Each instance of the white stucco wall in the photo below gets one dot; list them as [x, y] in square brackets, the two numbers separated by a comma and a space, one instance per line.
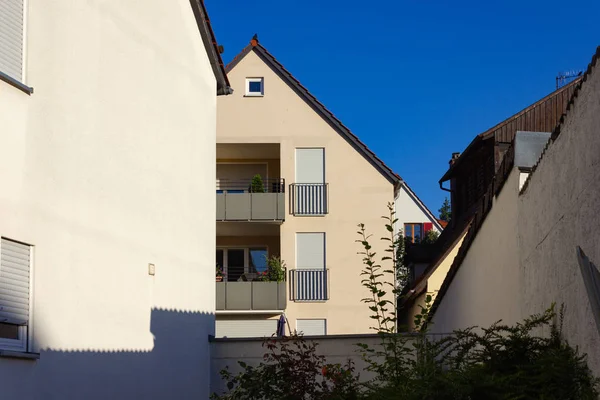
[107, 167]
[559, 210]
[408, 210]
[486, 286]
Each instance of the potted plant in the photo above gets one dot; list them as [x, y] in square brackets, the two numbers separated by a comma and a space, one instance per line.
[219, 273]
[275, 271]
[257, 185]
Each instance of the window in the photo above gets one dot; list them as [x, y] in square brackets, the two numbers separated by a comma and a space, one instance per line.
[312, 327]
[242, 263]
[414, 232]
[15, 262]
[255, 87]
[11, 32]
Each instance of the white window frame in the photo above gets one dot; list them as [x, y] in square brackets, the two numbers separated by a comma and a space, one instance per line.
[23, 344]
[262, 87]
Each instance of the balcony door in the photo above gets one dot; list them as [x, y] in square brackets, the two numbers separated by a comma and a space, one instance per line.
[310, 189]
[244, 263]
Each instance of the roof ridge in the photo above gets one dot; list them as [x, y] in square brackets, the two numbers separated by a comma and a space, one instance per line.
[557, 130]
[531, 106]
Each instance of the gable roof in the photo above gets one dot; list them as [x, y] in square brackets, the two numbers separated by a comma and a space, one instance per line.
[316, 105]
[421, 205]
[541, 116]
[499, 179]
[211, 47]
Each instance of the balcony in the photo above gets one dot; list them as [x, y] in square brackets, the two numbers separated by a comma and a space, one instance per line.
[309, 284]
[309, 199]
[251, 296]
[241, 200]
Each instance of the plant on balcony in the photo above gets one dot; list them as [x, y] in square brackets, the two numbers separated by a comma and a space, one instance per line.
[275, 271]
[219, 273]
[257, 185]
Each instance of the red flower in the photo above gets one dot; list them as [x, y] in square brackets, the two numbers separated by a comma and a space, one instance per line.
[324, 371]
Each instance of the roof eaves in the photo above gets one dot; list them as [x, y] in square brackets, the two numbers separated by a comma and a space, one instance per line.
[557, 130]
[317, 106]
[460, 159]
[235, 61]
[211, 46]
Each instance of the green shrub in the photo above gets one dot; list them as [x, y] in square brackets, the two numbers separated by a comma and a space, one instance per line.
[257, 185]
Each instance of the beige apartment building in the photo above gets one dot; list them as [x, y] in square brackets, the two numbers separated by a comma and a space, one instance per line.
[318, 182]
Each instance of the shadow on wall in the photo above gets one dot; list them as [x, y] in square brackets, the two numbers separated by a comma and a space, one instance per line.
[177, 367]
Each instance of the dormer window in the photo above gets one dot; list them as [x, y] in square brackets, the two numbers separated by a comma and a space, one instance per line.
[255, 87]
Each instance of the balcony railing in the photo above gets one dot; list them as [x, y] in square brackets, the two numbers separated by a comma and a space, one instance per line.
[309, 284]
[245, 200]
[309, 198]
[249, 296]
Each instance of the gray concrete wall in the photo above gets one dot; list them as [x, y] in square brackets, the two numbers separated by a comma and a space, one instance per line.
[559, 210]
[337, 349]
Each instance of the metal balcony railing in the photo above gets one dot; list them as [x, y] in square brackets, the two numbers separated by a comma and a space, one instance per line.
[270, 185]
[245, 200]
[309, 198]
[309, 284]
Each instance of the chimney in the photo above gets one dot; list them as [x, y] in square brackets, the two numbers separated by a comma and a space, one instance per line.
[454, 158]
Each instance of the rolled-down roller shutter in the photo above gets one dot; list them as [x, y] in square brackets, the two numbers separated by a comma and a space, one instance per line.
[311, 327]
[247, 328]
[15, 260]
[11, 38]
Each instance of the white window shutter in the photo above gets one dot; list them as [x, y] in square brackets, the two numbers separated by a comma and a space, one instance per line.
[311, 327]
[11, 38]
[245, 328]
[15, 260]
[310, 165]
[310, 250]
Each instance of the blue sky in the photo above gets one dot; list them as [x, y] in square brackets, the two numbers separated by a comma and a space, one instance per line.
[417, 80]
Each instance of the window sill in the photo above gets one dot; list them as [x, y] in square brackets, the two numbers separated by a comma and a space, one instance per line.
[19, 354]
[254, 95]
[16, 83]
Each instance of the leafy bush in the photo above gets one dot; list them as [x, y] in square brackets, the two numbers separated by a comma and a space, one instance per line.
[499, 362]
[292, 370]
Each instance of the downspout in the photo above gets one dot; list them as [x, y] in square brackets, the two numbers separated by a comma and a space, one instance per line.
[443, 188]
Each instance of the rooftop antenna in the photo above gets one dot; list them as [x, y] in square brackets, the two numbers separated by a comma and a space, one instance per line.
[567, 76]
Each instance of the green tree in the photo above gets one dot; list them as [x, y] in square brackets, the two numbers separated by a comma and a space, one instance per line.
[445, 211]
